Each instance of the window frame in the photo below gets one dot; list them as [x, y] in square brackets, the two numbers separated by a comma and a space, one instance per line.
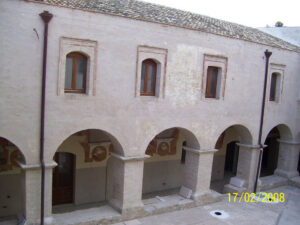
[159, 56]
[279, 71]
[148, 63]
[220, 62]
[208, 94]
[75, 56]
[90, 49]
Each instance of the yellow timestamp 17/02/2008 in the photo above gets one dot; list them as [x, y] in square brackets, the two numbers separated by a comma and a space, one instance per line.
[258, 197]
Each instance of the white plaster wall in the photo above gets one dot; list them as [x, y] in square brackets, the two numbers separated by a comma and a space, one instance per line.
[133, 121]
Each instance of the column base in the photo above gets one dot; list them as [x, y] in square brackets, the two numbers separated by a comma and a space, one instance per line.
[239, 185]
[286, 174]
[128, 212]
[47, 221]
[229, 188]
[204, 198]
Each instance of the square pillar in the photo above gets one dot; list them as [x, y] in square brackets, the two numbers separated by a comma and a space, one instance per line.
[32, 193]
[197, 171]
[288, 159]
[125, 181]
[246, 169]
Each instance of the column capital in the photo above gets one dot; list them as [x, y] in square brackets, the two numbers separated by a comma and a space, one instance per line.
[198, 151]
[48, 165]
[129, 158]
[290, 142]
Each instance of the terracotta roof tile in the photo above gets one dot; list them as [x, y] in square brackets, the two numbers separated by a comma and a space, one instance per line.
[166, 15]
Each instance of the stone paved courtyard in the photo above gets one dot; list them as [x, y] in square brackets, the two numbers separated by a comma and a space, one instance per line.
[286, 213]
[238, 213]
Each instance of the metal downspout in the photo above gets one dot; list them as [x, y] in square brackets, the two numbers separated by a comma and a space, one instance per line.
[268, 55]
[46, 17]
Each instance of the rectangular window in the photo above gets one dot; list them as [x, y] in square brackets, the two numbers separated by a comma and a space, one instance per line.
[273, 87]
[211, 82]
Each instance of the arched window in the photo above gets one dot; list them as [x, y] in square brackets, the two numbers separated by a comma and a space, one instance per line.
[148, 77]
[76, 67]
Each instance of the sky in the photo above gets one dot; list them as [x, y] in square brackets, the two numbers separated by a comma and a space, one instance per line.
[252, 13]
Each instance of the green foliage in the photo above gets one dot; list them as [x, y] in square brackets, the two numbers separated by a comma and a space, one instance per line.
[278, 24]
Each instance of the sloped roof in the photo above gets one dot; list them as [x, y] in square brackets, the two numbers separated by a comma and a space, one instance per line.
[166, 15]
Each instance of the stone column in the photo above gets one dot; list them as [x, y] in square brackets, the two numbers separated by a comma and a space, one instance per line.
[288, 159]
[32, 192]
[125, 181]
[246, 170]
[197, 172]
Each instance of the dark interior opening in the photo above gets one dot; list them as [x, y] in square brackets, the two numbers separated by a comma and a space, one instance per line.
[270, 154]
[231, 160]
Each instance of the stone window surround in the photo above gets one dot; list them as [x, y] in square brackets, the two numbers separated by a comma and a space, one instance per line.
[215, 61]
[88, 48]
[279, 69]
[160, 56]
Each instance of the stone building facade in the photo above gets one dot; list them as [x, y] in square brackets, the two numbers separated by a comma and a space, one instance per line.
[118, 135]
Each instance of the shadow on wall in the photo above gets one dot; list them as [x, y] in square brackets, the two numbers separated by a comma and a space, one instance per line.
[12, 178]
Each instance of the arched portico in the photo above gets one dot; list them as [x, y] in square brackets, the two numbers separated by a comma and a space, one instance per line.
[96, 169]
[225, 162]
[176, 163]
[12, 181]
[288, 155]
[280, 157]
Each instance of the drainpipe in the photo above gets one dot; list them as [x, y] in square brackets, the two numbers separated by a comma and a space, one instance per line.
[268, 55]
[46, 17]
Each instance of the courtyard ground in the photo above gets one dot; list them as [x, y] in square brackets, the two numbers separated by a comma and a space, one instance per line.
[239, 213]
[233, 213]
